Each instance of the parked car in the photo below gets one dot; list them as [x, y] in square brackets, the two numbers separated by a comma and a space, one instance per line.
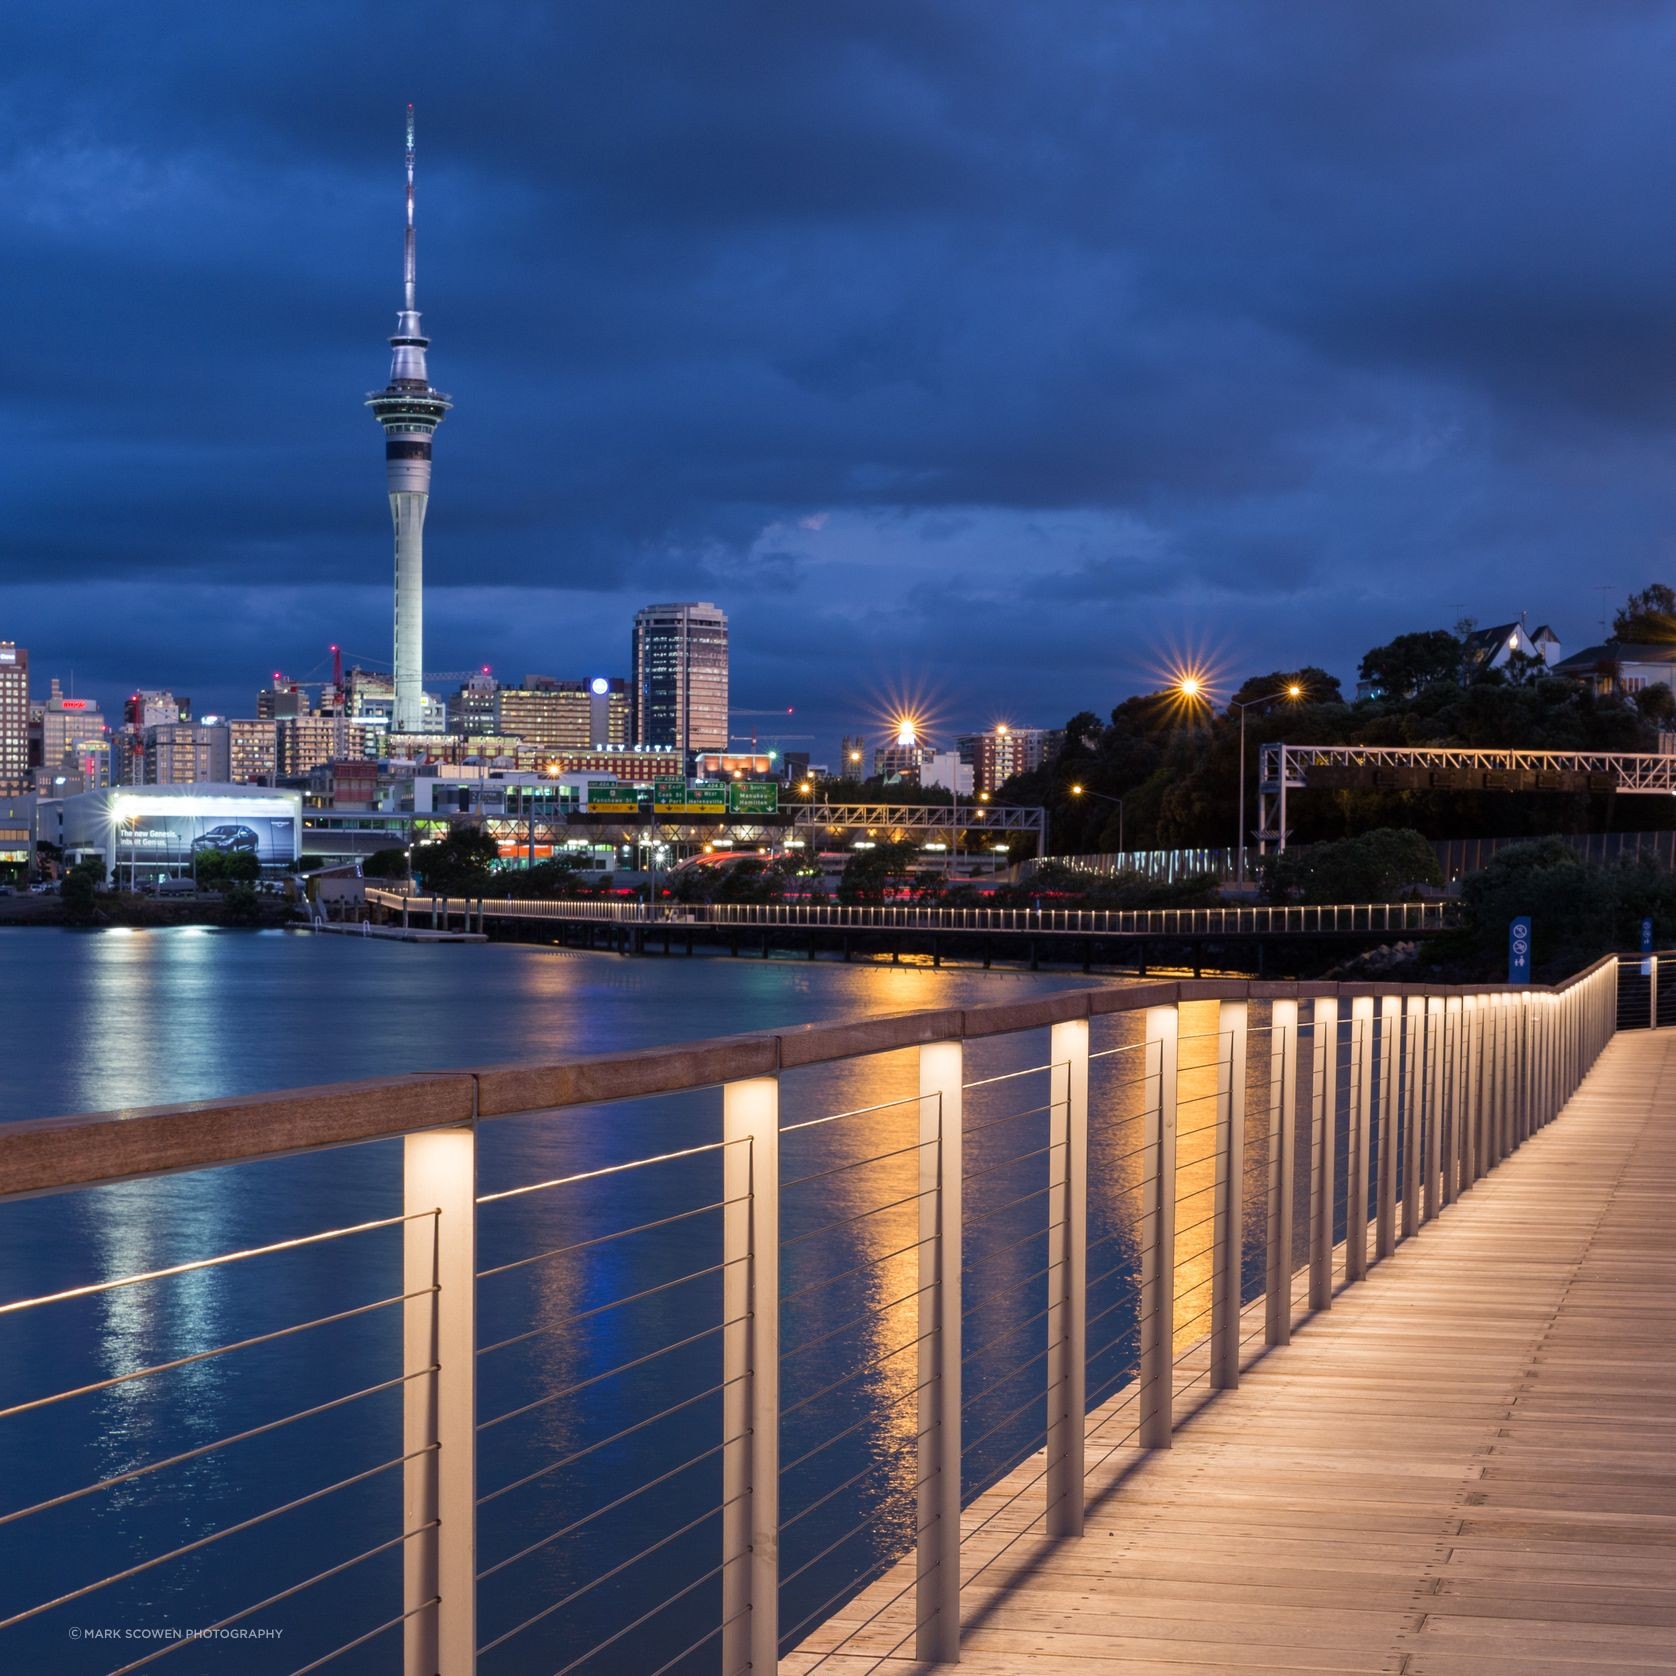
[231, 838]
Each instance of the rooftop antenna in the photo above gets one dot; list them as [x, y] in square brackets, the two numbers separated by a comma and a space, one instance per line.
[410, 285]
[1603, 589]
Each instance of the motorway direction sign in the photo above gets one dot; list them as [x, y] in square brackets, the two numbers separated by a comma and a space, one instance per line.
[754, 797]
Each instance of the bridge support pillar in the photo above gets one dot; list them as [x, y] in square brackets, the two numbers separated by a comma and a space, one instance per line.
[751, 1370]
[1158, 1238]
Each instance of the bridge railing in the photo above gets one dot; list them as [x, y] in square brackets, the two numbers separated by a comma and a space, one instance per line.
[652, 1361]
[1253, 920]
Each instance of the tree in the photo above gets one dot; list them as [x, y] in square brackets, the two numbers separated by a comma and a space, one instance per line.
[1405, 666]
[1647, 618]
[1378, 866]
[385, 864]
[1318, 688]
[872, 875]
[77, 890]
[224, 869]
[459, 864]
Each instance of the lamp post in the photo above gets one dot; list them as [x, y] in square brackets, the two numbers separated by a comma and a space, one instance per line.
[1292, 690]
[1102, 797]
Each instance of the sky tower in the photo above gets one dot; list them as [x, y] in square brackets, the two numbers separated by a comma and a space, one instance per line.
[409, 410]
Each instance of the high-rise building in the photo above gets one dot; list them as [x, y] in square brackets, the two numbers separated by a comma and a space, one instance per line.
[151, 709]
[75, 749]
[14, 718]
[680, 676]
[252, 752]
[187, 753]
[471, 709]
[304, 742]
[549, 715]
[997, 755]
[280, 700]
[852, 758]
[410, 410]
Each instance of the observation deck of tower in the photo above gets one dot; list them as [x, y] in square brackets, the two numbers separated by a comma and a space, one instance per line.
[409, 409]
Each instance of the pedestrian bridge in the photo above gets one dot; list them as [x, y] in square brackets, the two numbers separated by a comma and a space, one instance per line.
[1142, 1328]
[1465, 1467]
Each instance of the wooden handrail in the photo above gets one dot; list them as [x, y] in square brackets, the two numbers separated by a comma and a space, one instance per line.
[47, 1155]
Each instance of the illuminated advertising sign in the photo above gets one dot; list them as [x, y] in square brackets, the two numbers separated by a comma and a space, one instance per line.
[754, 797]
[72, 703]
[180, 837]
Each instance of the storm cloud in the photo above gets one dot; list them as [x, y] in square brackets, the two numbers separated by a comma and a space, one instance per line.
[980, 351]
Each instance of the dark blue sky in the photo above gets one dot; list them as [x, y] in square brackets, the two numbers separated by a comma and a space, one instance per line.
[964, 348]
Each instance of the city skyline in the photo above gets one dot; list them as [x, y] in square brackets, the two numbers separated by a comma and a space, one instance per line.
[790, 366]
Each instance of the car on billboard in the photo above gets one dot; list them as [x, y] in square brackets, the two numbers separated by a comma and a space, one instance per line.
[231, 838]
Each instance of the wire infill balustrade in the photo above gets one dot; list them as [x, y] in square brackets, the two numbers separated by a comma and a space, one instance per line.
[680, 1362]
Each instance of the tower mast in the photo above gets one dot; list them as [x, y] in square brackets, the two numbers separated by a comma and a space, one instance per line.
[410, 410]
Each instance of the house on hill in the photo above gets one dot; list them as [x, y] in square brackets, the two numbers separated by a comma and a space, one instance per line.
[1621, 666]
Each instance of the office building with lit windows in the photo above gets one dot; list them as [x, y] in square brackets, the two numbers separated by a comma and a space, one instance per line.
[679, 690]
[14, 718]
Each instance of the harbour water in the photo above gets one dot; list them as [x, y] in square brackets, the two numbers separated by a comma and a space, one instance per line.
[108, 1019]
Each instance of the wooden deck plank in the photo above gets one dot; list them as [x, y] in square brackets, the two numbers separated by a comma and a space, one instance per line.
[1466, 1465]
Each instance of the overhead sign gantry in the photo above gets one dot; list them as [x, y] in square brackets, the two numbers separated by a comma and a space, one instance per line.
[1289, 768]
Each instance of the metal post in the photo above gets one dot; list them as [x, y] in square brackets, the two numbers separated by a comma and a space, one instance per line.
[1361, 1120]
[1437, 1038]
[1067, 1359]
[1228, 1243]
[1454, 1031]
[1491, 1149]
[1414, 1104]
[439, 1410]
[1239, 844]
[1323, 1149]
[1283, 1131]
[1385, 1221]
[1653, 993]
[1158, 1239]
[1472, 1103]
[751, 1372]
[937, 1551]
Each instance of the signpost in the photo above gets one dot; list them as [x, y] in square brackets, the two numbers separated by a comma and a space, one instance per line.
[669, 792]
[1519, 950]
[612, 797]
[754, 797]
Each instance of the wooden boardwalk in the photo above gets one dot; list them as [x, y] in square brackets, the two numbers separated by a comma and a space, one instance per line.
[1467, 1467]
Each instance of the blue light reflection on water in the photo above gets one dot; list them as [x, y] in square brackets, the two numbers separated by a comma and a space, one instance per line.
[106, 1020]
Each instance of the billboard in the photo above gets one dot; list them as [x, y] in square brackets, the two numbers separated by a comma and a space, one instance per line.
[177, 838]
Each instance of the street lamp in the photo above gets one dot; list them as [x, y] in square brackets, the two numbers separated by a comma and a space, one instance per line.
[1293, 690]
[1102, 797]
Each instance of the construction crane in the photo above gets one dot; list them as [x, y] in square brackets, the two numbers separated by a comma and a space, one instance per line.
[790, 710]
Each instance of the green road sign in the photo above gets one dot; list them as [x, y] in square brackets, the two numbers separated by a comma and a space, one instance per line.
[754, 797]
